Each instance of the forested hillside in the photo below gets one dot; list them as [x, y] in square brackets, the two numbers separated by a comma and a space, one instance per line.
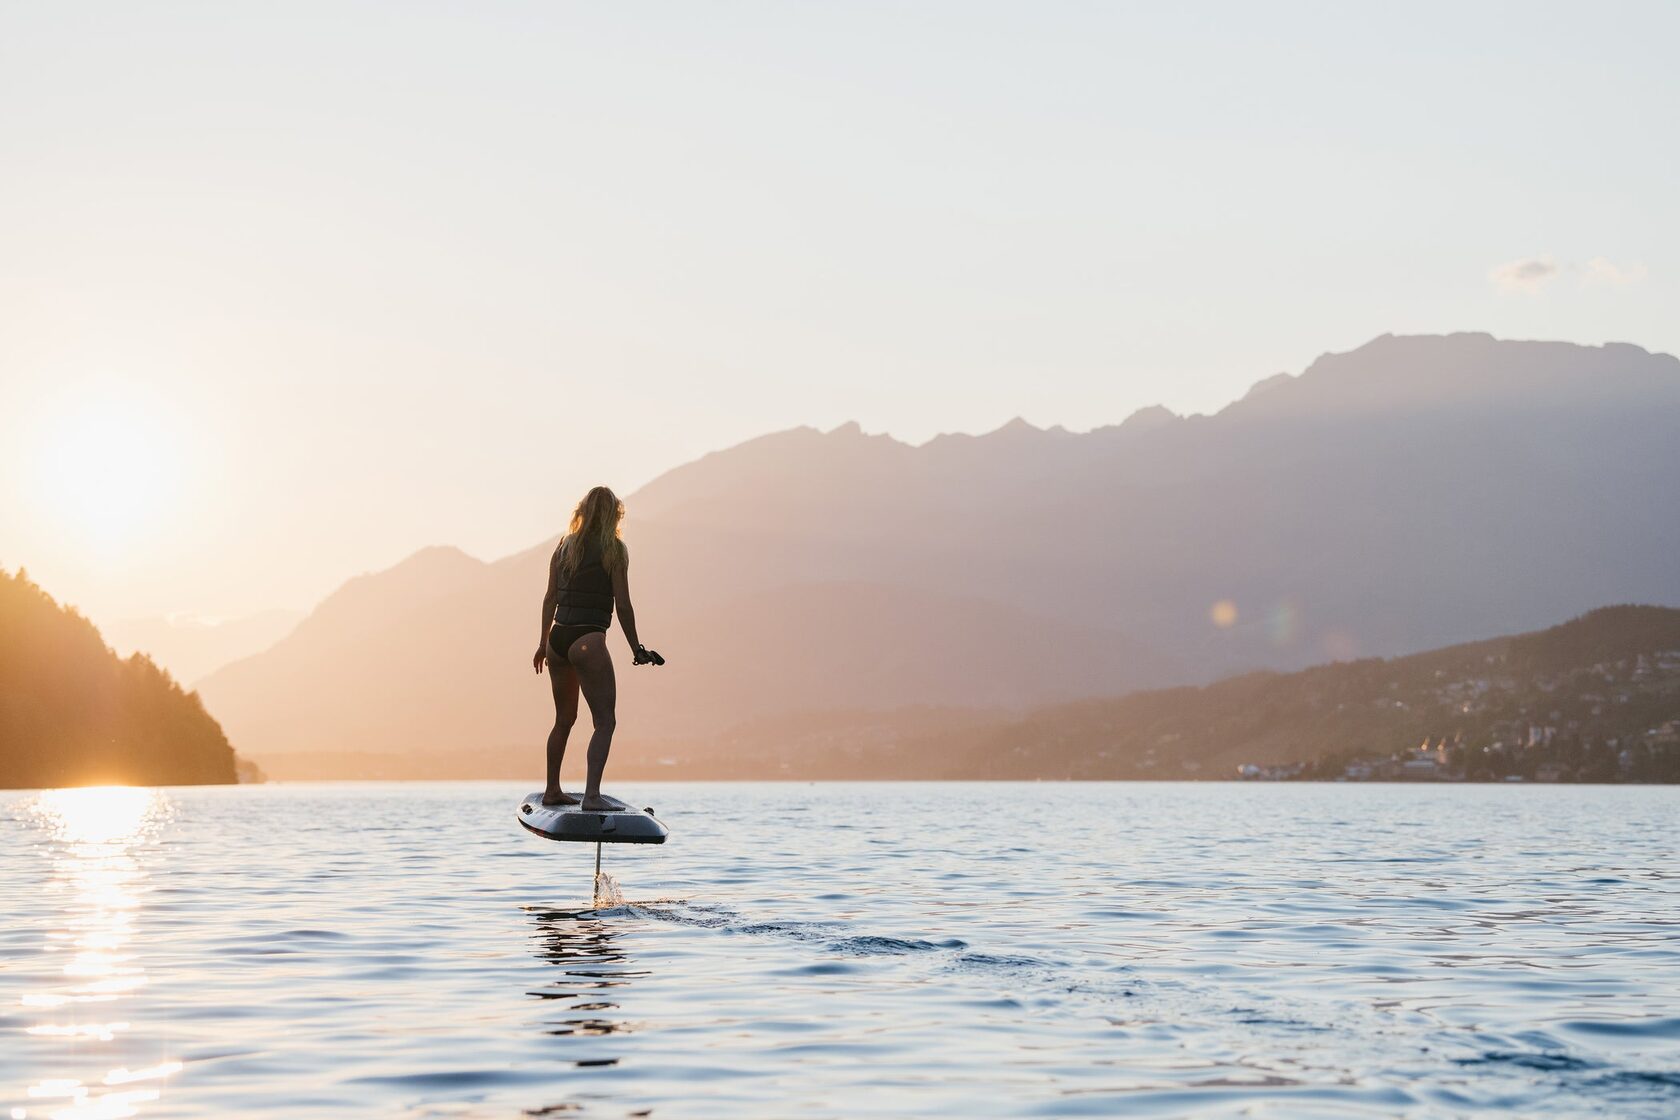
[73, 713]
[1594, 699]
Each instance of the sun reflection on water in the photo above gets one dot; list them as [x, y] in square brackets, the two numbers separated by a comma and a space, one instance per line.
[97, 814]
[94, 832]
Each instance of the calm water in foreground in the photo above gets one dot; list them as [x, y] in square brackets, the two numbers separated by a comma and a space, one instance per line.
[844, 950]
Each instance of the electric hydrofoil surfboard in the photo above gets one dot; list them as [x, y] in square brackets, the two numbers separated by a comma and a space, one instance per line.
[622, 825]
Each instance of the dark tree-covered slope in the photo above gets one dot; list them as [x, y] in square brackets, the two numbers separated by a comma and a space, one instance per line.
[1598, 696]
[73, 713]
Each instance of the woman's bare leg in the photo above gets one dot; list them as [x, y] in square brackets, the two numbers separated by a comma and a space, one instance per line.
[564, 683]
[594, 668]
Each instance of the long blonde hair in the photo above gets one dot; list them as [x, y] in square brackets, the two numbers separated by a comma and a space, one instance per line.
[595, 522]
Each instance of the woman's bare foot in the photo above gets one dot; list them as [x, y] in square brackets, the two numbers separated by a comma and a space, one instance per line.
[597, 803]
[558, 797]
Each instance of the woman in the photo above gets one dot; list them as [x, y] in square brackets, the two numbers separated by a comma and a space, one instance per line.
[588, 573]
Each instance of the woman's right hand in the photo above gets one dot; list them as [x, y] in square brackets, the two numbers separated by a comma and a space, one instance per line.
[539, 659]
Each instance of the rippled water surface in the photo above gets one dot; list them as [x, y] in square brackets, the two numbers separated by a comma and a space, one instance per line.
[844, 950]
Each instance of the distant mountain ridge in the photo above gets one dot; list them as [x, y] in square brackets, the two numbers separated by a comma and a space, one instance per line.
[191, 648]
[1412, 493]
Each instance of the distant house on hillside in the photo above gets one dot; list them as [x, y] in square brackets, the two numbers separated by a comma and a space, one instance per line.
[1420, 768]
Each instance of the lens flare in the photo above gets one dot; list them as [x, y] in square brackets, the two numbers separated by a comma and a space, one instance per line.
[1284, 623]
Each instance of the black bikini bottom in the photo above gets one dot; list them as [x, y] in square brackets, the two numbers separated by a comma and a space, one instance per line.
[560, 638]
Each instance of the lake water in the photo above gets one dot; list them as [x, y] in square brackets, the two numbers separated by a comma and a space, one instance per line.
[844, 950]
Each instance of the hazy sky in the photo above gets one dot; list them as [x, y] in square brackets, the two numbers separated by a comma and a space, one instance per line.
[288, 291]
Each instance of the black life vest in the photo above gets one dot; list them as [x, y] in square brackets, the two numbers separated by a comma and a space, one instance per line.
[586, 597]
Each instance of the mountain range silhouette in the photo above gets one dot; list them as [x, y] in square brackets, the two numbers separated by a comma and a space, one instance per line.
[1410, 494]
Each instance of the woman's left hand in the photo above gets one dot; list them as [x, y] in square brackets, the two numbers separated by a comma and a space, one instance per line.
[539, 659]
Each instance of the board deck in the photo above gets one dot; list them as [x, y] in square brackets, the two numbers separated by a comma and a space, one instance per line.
[622, 825]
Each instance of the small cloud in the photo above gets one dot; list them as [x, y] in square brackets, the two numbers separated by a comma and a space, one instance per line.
[1530, 274]
[1601, 271]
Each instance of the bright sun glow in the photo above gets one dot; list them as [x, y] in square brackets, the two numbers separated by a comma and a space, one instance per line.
[106, 467]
